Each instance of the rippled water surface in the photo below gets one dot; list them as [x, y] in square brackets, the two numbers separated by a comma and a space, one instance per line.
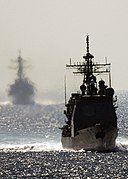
[30, 145]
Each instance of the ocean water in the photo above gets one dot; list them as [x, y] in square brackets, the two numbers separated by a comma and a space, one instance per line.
[30, 145]
[30, 126]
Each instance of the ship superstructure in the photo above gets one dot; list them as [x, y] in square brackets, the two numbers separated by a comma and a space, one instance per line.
[91, 118]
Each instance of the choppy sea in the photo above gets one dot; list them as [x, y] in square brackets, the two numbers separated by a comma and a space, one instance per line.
[30, 145]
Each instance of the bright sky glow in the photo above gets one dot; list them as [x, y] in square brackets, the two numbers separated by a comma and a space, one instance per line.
[49, 32]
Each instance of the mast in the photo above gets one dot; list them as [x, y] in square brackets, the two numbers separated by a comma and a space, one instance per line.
[110, 76]
[89, 69]
[20, 72]
[88, 61]
[87, 41]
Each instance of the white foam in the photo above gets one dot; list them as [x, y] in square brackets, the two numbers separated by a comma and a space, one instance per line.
[5, 103]
[31, 147]
[122, 140]
[122, 143]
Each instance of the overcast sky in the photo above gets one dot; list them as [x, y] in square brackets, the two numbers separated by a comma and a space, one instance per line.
[49, 32]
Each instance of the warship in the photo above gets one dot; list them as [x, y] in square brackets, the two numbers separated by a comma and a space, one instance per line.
[22, 91]
[91, 120]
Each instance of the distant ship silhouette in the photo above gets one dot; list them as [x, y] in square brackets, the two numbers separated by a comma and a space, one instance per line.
[22, 91]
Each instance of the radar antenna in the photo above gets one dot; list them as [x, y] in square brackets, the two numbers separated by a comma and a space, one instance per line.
[89, 68]
[87, 41]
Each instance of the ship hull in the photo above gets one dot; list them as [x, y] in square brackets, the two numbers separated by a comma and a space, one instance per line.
[92, 138]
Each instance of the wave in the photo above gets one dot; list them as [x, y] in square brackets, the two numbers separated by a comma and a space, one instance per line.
[122, 143]
[36, 147]
[5, 103]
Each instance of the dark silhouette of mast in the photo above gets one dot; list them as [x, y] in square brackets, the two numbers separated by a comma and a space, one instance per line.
[88, 59]
[20, 71]
[88, 68]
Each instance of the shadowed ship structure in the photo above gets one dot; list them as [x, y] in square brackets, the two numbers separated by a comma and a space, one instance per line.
[22, 91]
[91, 118]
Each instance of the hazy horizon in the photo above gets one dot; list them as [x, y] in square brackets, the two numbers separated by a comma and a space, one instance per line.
[51, 32]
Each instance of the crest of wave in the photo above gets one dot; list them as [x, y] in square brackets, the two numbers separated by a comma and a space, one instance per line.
[37, 147]
[122, 143]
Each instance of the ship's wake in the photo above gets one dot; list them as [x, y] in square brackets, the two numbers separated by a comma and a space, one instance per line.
[35, 147]
[122, 143]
